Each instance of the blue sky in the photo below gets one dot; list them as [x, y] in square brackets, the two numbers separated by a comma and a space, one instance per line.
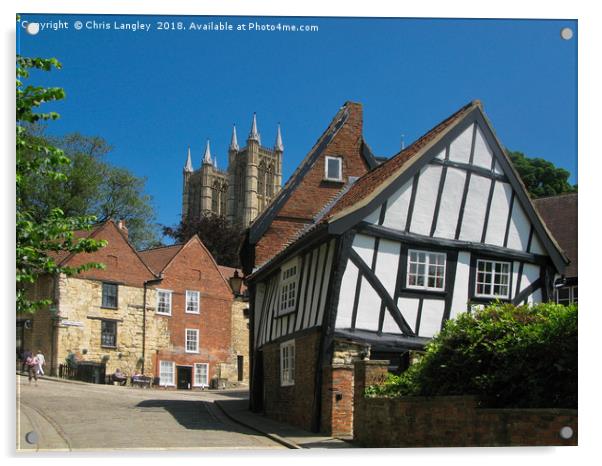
[153, 94]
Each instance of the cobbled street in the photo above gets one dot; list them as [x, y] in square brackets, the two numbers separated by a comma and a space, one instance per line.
[70, 416]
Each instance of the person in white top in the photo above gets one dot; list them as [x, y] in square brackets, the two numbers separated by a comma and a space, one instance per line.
[41, 362]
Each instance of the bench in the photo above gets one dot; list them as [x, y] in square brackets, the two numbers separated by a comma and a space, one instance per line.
[142, 381]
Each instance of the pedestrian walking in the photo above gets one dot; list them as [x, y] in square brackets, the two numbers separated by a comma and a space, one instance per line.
[26, 354]
[41, 362]
[32, 368]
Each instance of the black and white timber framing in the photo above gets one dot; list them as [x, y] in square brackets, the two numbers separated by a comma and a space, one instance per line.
[459, 196]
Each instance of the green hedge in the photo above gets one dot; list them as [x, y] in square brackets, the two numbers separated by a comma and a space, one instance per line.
[506, 355]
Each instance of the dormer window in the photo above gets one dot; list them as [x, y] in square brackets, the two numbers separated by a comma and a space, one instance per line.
[333, 169]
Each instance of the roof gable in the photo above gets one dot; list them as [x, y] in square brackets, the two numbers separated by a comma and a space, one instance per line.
[455, 136]
[158, 258]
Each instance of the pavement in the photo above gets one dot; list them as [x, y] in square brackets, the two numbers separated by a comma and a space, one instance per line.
[139, 418]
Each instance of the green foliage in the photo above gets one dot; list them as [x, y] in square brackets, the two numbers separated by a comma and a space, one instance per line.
[91, 186]
[39, 239]
[507, 356]
[218, 235]
[541, 177]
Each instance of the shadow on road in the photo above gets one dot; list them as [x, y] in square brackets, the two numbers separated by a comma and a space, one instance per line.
[190, 414]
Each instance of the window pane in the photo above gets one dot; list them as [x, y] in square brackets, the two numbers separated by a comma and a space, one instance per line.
[109, 295]
[108, 332]
[334, 168]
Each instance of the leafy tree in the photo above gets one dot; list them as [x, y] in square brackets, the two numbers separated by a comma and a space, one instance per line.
[507, 356]
[221, 237]
[541, 177]
[94, 187]
[38, 239]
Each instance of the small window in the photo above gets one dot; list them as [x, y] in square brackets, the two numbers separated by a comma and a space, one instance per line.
[493, 279]
[201, 375]
[287, 363]
[333, 169]
[288, 287]
[109, 295]
[108, 333]
[192, 301]
[192, 340]
[426, 270]
[164, 302]
[166, 373]
[566, 295]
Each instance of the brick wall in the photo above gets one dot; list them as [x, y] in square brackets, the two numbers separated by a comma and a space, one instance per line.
[194, 269]
[453, 421]
[291, 404]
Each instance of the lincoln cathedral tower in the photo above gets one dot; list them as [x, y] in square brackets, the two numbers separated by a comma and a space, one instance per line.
[241, 192]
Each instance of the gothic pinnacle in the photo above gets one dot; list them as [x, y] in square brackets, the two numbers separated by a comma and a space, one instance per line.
[278, 145]
[207, 156]
[188, 166]
[254, 134]
[234, 140]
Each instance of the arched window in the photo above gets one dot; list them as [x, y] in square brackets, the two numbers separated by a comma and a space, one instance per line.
[223, 199]
[261, 179]
[215, 198]
[270, 181]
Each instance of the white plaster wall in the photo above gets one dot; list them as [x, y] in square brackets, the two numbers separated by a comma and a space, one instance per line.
[515, 285]
[474, 210]
[409, 310]
[387, 261]
[432, 315]
[304, 284]
[460, 297]
[389, 324]
[326, 280]
[364, 246]
[310, 280]
[497, 169]
[316, 286]
[451, 198]
[483, 156]
[346, 296]
[531, 273]
[397, 207]
[426, 198]
[498, 214]
[535, 297]
[459, 150]
[441, 155]
[373, 217]
[368, 309]
[536, 246]
[518, 233]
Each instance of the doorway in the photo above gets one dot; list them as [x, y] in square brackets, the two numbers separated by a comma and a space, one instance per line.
[184, 377]
[241, 367]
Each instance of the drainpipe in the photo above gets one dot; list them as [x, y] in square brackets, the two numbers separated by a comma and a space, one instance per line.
[153, 281]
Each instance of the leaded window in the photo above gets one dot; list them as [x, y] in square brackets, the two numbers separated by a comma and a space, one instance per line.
[426, 270]
[109, 295]
[493, 279]
[108, 333]
[287, 363]
[288, 287]
[192, 340]
[192, 301]
[164, 302]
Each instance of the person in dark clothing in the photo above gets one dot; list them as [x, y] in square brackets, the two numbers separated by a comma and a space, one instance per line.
[26, 354]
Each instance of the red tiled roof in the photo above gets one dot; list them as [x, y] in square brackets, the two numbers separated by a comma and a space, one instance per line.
[560, 215]
[376, 177]
[158, 258]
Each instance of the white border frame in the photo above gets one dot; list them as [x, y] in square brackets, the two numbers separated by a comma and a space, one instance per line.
[198, 293]
[173, 374]
[426, 276]
[194, 384]
[198, 336]
[169, 292]
[332, 157]
[493, 274]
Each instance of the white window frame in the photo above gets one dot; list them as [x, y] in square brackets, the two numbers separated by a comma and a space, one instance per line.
[287, 363]
[163, 382]
[289, 280]
[168, 293]
[571, 299]
[197, 371]
[425, 275]
[340, 160]
[190, 293]
[186, 340]
[493, 275]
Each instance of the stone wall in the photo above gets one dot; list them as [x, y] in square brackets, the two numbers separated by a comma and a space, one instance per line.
[291, 404]
[454, 421]
[240, 336]
[79, 326]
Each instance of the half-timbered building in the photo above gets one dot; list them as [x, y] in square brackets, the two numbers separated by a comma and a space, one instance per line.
[441, 227]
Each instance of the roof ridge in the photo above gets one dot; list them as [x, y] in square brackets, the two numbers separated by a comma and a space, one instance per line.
[161, 247]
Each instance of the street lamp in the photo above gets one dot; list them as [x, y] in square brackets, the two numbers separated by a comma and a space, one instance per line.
[235, 283]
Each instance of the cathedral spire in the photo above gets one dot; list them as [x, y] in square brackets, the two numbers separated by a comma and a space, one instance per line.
[215, 162]
[234, 140]
[278, 145]
[254, 134]
[207, 156]
[188, 166]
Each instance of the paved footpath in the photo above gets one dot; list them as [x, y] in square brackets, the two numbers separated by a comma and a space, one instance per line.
[79, 416]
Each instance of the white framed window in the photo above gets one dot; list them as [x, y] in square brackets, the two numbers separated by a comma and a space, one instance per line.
[566, 295]
[192, 340]
[287, 363]
[493, 279]
[333, 168]
[288, 287]
[426, 270]
[201, 375]
[192, 301]
[164, 302]
[166, 373]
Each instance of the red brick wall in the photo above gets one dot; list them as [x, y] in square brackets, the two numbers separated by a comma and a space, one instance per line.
[291, 404]
[214, 319]
[453, 421]
[313, 193]
[122, 263]
[337, 401]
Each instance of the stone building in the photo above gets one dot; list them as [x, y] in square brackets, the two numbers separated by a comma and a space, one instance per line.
[98, 315]
[242, 191]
